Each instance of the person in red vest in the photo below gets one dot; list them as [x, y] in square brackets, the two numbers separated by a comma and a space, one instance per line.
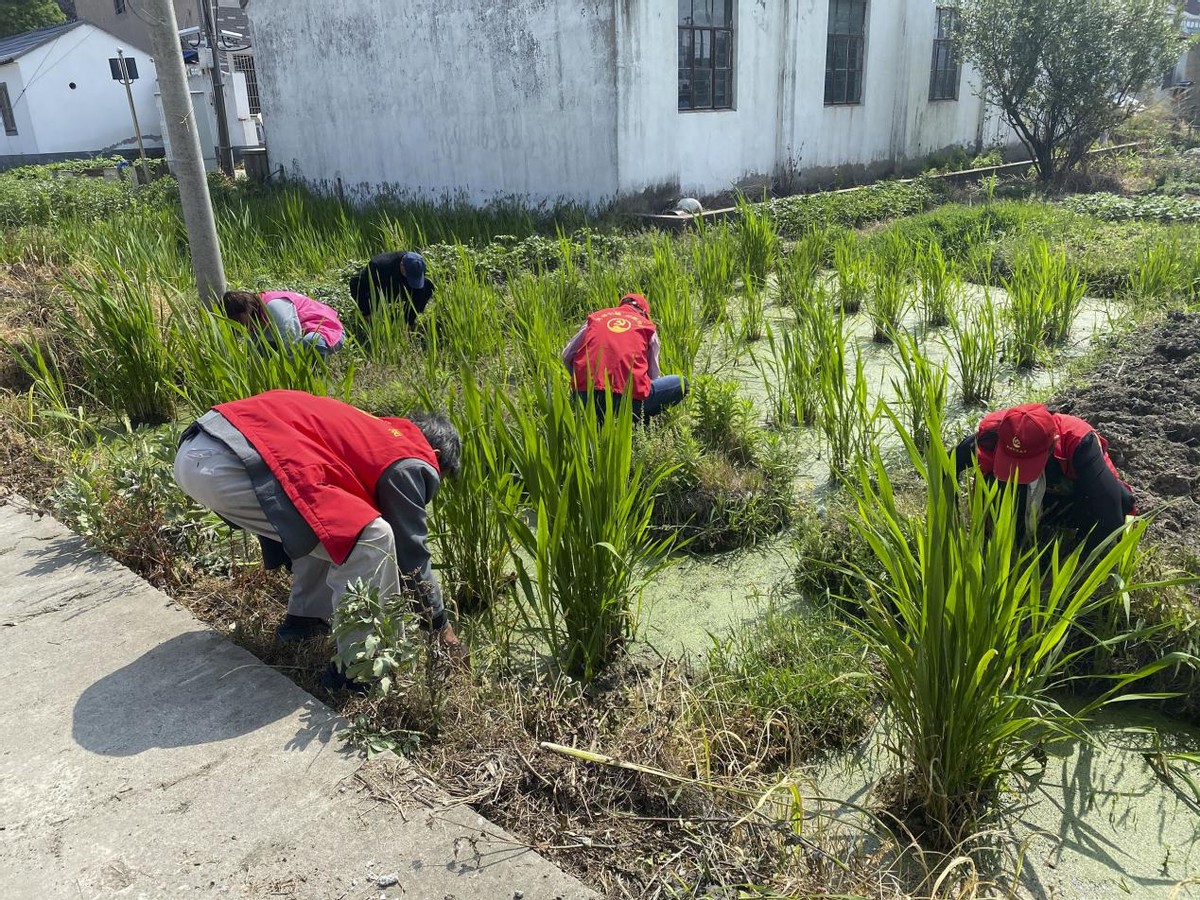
[1067, 478]
[618, 348]
[343, 491]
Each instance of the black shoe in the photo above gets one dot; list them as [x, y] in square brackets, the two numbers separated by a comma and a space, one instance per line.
[296, 629]
[334, 680]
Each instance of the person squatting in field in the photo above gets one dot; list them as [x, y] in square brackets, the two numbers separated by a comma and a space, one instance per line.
[1068, 480]
[285, 317]
[392, 278]
[618, 348]
[342, 491]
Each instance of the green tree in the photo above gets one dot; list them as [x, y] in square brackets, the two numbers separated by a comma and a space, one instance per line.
[18, 16]
[1064, 72]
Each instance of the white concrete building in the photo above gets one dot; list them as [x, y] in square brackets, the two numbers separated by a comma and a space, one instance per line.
[594, 100]
[58, 99]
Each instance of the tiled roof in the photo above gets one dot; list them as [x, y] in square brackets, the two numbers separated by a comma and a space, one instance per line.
[20, 44]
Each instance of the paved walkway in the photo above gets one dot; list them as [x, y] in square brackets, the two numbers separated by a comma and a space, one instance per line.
[143, 755]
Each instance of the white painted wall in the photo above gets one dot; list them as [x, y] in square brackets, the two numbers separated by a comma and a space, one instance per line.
[25, 140]
[781, 122]
[475, 97]
[94, 116]
[579, 98]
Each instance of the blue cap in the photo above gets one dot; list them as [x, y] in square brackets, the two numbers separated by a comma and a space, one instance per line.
[414, 270]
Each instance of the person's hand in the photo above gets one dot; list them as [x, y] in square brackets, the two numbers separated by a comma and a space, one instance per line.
[455, 649]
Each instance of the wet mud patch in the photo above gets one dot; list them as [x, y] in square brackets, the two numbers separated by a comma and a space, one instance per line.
[1145, 400]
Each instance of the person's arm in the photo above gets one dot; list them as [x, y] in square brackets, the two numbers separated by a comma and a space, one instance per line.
[964, 454]
[403, 493]
[1099, 494]
[569, 351]
[652, 351]
[282, 316]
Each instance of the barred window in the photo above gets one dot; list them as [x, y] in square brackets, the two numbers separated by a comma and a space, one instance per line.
[6, 111]
[706, 54]
[244, 63]
[844, 52]
[946, 71]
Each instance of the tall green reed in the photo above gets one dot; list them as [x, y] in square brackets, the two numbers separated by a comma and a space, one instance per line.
[586, 547]
[800, 270]
[1045, 295]
[890, 300]
[714, 252]
[754, 312]
[939, 282]
[681, 323]
[853, 274]
[919, 386]
[974, 348]
[847, 417]
[973, 631]
[758, 244]
[1162, 275]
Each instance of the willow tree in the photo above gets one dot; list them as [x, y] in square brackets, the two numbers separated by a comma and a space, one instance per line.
[1064, 72]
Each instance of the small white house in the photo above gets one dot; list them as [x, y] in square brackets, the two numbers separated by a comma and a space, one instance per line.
[59, 100]
[596, 100]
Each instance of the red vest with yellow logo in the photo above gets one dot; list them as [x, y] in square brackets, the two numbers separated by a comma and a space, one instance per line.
[1071, 433]
[614, 352]
[328, 457]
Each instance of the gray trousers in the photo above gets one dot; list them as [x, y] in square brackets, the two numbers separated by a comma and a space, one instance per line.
[212, 475]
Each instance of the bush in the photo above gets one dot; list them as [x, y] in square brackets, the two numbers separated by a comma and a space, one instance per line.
[794, 216]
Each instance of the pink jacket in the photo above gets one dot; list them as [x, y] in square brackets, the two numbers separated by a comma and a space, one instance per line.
[314, 317]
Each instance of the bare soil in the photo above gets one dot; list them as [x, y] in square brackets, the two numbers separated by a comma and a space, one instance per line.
[1145, 400]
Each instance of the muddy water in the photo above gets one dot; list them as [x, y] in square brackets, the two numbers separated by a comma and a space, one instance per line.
[702, 596]
[1095, 821]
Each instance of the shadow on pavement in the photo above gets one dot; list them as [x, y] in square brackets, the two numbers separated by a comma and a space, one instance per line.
[193, 689]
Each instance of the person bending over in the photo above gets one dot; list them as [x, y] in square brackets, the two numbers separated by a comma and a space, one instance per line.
[393, 278]
[344, 492]
[286, 318]
[618, 348]
[1067, 479]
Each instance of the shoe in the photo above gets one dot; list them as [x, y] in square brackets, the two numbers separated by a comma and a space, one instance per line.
[334, 680]
[295, 629]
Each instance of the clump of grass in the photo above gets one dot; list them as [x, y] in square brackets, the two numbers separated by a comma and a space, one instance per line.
[754, 312]
[800, 270]
[975, 349]
[802, 674]
[938, 281]
[681, 324]
[471, 515]
[789, 376]
[758, 244]
[713, 255]
[920, 386]
[853, 274]
[1045, 294]
[1162, 275]
[587, 547]
[958, 594]
[126, 347]
[890, 299]
[847, 418]
[728, 482]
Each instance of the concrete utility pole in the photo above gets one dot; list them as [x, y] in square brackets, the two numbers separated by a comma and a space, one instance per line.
[137, 129]
[224, 150]
[185, 146]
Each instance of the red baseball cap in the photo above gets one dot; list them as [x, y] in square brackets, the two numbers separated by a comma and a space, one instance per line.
[638, 302]
[1026, 435]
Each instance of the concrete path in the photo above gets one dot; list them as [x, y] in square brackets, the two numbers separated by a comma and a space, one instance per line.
[143, 755]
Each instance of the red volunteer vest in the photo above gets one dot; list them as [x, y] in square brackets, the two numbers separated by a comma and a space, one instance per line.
[613, 352]
[328, 456]
[1071, 433]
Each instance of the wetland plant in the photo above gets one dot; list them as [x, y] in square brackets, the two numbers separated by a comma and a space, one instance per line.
[585, 549]
[713, 254]
[938, 285]
[853, 274]
[471, 515]
[789, 376]
[1161, 276]
[889, 301]
[126, 346]
[681, 324]
[1045, 294]
[758, 244]
[919, 387]
[846, 416]
[973, 633]
[974, 348]
[800, 270]
[754, 312]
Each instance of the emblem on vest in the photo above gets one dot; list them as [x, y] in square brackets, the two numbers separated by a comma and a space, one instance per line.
[619, 325]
